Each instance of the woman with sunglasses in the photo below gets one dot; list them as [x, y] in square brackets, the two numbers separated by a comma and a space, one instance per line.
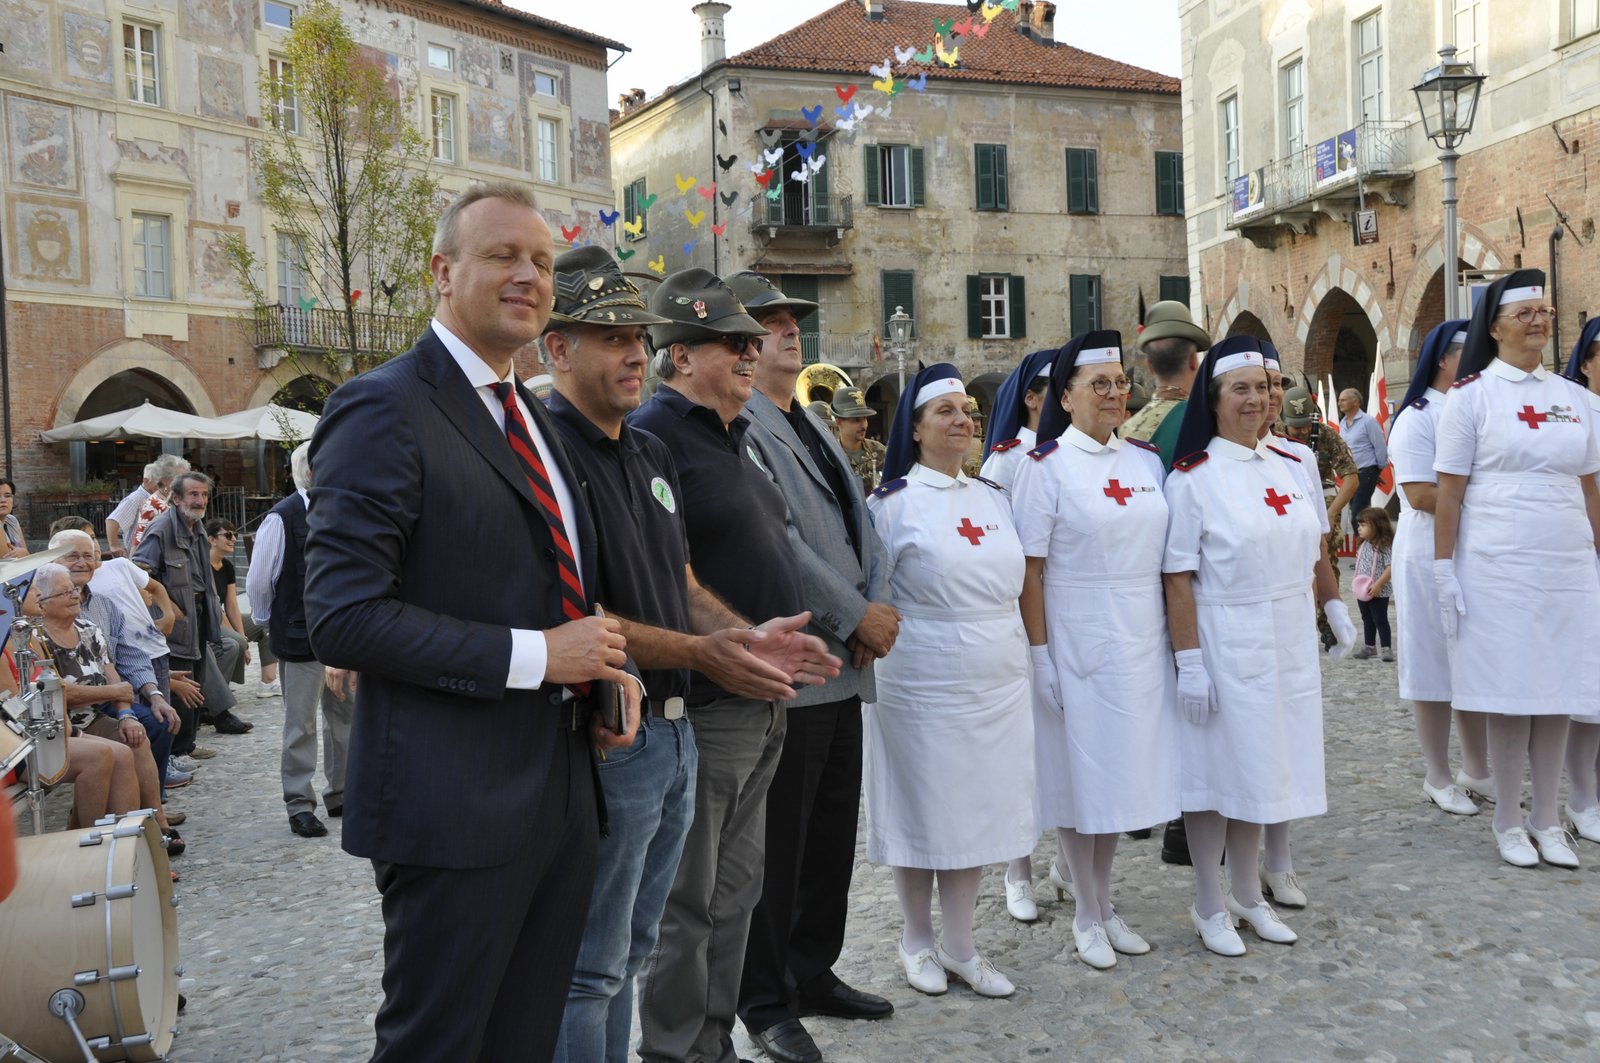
[238, 628]
[1092, 519]
[1516, 520]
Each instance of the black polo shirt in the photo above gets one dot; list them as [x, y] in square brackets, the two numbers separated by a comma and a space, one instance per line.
[735, 515]
[632, 489]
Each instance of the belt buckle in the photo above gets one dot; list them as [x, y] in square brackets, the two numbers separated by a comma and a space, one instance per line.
[672, 709]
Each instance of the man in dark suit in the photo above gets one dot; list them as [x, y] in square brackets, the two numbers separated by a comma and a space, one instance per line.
[450, 561]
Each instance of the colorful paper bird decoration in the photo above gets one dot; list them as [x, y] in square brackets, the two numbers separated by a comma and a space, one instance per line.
[688, 248]
[812, 114]
[659, 265]
[683, 183]
[634, 227]
[925, 55]
[729, 197]
[886, 87]
[902, 56]
[720, 229]
[882, 71]
[844, 92]
[708, 191]
[918, 83]
[695, 218]
[609, 217]
[727, 161]
[623, 256]
[571, 234]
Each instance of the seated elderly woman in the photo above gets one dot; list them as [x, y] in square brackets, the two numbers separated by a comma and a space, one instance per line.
[96, 696]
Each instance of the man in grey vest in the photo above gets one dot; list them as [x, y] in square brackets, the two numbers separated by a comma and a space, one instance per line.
[276, 584]
[798, 927]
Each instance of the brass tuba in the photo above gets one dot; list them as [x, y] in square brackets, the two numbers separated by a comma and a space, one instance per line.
[819, 381]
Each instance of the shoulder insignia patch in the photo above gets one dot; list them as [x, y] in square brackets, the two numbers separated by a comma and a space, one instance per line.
[885, 490]
[1001, 448]
[1283, 453]
[1419, 402]
[1192, 461]
[991, 483]
[1143, 444]
[1044, 450]
[1466, 380]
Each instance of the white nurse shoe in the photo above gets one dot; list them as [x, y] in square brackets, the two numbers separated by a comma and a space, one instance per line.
[1515, 849]
[1019, 901]
[1483, 788]
[978, 973]
[1062, 883]
[1263, 920]
[1555, 845]
[1123, 939]
[1094, 948]
[1283, 887]
[923, 971]
[1586, 823]
[1217, 933]
[1451, 798]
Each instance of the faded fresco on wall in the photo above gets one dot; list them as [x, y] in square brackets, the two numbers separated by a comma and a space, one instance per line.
[388, 62]
[227, 23]
[46, 240]
[41, 144]
[591, 155]
[27, 29]
[221, 88]
[492, 131]
[213, 276]
[477, 61]
[87, 42]
[532, 65]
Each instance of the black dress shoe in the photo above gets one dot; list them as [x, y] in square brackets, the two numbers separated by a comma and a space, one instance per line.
[334, 811]
[307, 825]
[788, 1042]
[1139, 835]
[229, 724]
[1175, 844]
[844, 1002]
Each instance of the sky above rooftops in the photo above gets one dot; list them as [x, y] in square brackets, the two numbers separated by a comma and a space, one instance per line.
[665, 34]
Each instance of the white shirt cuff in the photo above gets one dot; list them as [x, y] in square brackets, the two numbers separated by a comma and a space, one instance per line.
[529, 659]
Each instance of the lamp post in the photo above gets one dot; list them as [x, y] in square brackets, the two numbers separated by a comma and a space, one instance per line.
[900, 324]
[1448, 98]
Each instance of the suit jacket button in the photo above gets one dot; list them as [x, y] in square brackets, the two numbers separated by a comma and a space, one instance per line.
[549, 553]
[443, 682]
[472, 684]
[555, 697]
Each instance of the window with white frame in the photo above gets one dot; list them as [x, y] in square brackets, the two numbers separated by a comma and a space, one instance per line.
[994, 306]
[291, 271]
[1293, 82]
[1583, 17]
[152, 262]
[1466, 30]
[278, 15]
[1368, 40]
[141, 60]
[546, 84]
[285, 111]
[442, 121]
[547, 140]
[1228, 127]
[441, 58]
[894, 189]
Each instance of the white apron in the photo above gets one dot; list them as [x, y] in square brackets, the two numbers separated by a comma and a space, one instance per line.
[949, 743]
[1244, 523]
[1594, 427]
[1097, 514]
[1424, 663]
[1529, 644]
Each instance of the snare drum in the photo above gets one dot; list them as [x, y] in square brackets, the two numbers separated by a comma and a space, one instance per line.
[92, 914]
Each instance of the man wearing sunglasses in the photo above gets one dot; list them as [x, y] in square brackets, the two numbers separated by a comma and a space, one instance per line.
[736, 523]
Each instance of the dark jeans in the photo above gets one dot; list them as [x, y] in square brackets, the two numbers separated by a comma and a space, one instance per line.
[1367, 483]
[1375, 618]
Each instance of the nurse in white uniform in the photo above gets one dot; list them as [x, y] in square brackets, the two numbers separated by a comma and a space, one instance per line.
[1240, 556]
[949, 744]
[1514, 556]
[1583, 737]
[1093, 523]
[1425, 659]
[1013, 431]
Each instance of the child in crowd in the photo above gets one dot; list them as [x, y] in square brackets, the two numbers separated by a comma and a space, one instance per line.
[1371, 580]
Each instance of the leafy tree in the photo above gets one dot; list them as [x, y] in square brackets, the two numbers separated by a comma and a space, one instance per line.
[344, 172]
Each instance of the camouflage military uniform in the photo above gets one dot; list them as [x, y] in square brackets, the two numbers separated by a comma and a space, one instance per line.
[1143, 425]
[867, 463]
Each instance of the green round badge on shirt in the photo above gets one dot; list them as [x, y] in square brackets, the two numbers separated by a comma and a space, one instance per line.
[663, 493]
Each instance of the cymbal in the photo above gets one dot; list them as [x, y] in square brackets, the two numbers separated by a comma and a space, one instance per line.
[20, 566]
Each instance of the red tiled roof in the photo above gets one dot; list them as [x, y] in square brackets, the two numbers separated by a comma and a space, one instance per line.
[544, 23]
[842, 40]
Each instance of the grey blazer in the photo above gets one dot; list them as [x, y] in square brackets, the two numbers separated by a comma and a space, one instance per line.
[838, 582]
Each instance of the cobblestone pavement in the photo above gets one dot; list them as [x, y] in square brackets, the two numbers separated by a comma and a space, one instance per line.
[1419, 943]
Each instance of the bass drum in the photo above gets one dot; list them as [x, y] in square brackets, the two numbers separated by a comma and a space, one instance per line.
[92, 915]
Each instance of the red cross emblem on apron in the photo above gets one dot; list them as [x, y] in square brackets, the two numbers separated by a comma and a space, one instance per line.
[969, 531]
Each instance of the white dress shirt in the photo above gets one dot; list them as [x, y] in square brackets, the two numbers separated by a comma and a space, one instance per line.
[266, 561]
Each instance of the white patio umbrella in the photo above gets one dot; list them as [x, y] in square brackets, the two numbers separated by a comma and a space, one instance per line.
[142, 420]
[272, 422]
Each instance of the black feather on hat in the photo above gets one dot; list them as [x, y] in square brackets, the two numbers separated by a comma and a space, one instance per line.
[1481, 348]
[1053, 420]
[1199, 420]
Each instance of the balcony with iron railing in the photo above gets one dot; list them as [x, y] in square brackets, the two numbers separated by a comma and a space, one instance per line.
[845, 350]
[800, 212]
[317, 330]
[1327, 178]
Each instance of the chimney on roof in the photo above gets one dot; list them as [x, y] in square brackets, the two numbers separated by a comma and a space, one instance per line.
[1024, 23]
[1043, 21]
[713, 43]
[874, 10]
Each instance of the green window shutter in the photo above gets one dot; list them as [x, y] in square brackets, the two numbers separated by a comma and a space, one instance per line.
[899, 289]
[1175, 288]
[1078, 300]
[1019, 309]
[983, 160]
[917, 195]
[974, 308]
[1076, 195]
[1002, 193]
[1177, 181]
[821, 205]
[1091, 182]
[1166, 195]
[873, 181]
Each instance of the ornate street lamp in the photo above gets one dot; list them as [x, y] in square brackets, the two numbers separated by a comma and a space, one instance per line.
[1448, 98]
[900, 325]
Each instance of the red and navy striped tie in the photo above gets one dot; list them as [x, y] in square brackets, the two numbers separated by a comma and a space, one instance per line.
[539, 480]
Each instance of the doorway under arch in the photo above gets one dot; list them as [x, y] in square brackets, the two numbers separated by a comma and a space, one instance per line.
[1341, 343]
[1247, 324]
[123, 460]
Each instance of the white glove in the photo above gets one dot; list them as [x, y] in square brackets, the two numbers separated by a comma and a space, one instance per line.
[1046, 690]
[1197, 697]
[1452, 606]
[1344, 632]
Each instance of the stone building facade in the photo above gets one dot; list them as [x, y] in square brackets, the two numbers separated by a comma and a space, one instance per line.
[1298, 115]
[1005, 188]
[128, 131]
